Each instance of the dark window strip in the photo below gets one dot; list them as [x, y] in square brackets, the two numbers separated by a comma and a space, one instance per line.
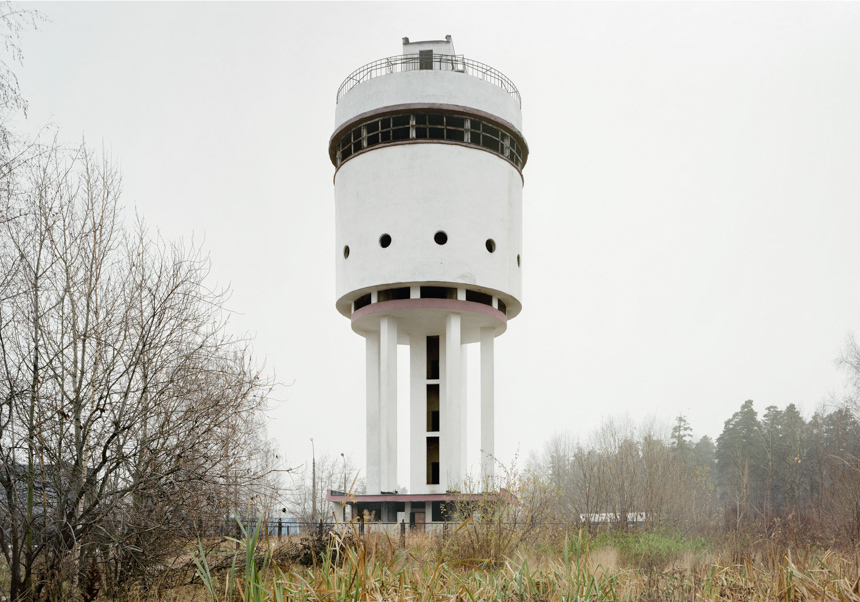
[430, 126]
[428, 292]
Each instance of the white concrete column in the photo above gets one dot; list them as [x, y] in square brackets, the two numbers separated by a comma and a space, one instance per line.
[372, 416]
[417, 413]
[451, 460]
[388, 402]
[444, 458]
[462, 417]
[487, 408]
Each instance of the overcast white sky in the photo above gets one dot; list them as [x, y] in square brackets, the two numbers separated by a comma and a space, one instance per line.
[691, 203]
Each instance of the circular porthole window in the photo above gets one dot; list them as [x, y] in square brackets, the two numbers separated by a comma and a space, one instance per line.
[518, 260]
[384, 241]
[440, 237]
[346, 252]
[491, 245]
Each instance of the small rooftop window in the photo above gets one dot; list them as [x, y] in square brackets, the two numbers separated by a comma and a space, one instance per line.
[425, 59]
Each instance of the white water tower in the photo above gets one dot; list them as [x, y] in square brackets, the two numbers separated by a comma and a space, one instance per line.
[428, 153]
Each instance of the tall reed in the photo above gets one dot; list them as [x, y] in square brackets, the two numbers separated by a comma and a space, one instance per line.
[355, 568]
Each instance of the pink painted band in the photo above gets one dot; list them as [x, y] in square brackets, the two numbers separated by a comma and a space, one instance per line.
[331, 496]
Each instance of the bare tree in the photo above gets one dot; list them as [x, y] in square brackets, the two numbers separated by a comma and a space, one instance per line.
[623, 469]
[332, 473]
[616, 442]
[589, 485]
[576, 477]
[129, 414]
[556, 464]
[13, 21]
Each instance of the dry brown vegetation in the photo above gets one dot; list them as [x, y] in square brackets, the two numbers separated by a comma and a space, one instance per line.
[581, 566]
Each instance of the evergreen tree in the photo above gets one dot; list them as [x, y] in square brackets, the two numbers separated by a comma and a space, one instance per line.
[816, 456]
[704, 453]
[738, 454]
[794, 455]
[770, 459]
[681, 436]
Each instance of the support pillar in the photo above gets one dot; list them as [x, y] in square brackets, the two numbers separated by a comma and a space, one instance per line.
[487, 408]
[463, 416]
[388, 402]
[451, 413]
[418, 413]
[372, 425]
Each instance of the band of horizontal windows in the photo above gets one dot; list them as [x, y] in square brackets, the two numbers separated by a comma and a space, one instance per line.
[444, 304]
[430, 126]
[427, 292]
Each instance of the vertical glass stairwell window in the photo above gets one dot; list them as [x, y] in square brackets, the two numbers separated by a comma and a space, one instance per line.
[432, 408]
[432, 460]
[433, 414]
[432, 358]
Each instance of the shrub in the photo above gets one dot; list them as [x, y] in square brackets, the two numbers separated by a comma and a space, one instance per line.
[651, 550]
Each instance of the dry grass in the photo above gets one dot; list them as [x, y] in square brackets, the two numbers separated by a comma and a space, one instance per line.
[603, 561]
[377, 567]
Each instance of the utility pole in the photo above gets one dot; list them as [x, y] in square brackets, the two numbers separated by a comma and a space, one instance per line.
[313, 483]
[344, 486]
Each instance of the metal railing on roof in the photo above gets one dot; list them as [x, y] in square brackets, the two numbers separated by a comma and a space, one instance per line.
[438, 62]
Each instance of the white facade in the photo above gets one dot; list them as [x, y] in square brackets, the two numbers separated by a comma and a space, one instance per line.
[428, 194]
[436, 86]
[413, 191]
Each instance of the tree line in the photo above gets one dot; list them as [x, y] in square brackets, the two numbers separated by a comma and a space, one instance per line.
[778, 473]
[779, 467]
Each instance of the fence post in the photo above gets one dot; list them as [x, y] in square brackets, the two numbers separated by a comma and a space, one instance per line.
[361, 525]
[403, 533]
[279, 528]
[320, 531]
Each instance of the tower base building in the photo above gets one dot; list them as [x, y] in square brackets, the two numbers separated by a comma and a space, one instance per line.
[428, 153]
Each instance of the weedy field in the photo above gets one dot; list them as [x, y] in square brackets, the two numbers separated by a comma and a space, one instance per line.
[655, 565]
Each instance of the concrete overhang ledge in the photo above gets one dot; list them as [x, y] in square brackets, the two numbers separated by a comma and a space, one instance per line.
[348, 498]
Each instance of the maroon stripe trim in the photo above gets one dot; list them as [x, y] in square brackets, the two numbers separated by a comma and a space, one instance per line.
[504, 494]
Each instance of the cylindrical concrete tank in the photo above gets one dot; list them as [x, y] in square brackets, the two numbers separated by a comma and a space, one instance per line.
[429, 153]
[428, 186]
